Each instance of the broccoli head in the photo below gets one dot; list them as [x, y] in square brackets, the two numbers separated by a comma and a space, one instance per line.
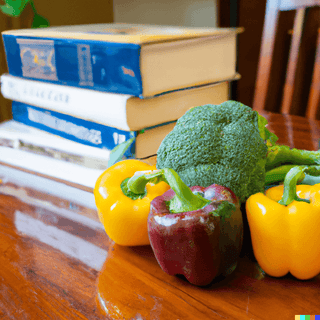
[222, 144]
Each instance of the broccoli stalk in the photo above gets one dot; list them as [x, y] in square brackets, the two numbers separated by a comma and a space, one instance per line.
[281, 158]
[278, 174]
[280, 154]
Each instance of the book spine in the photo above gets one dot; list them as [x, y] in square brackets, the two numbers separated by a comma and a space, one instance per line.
[74, 129]
[108, 108]
[103, 66]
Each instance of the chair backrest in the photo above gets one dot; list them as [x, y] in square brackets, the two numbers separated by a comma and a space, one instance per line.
[273, 9]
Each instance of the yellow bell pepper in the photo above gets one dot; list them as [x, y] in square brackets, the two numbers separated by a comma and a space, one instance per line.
[285, 228]
[123, 215]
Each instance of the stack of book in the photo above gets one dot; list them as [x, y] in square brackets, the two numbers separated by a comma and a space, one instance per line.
[79, 91]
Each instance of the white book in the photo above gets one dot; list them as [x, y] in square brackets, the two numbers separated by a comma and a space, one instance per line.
[43, 153]
[49, 167]
[47, 154]
[26, 140]
[120, 111]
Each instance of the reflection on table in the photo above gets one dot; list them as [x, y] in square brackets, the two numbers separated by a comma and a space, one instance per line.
[58, 263]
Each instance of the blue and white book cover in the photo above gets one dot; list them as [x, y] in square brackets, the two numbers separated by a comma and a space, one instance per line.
[88, 64]
[105, 57]
[75, 129]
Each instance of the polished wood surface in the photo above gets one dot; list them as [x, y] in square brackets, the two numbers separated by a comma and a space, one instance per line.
[56, 262]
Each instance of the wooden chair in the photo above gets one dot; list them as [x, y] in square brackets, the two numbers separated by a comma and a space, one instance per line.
[273, 9]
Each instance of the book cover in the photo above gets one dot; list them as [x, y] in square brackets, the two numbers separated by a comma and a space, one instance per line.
[121, 111]
[88, 133]
[16, 135]
[140, 60]
[75, 129]
[62, 145]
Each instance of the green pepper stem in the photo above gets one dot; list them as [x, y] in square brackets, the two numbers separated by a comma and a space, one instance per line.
[290, 185]
[312, 175]
[184, 200]
[137, 183]
[310, 180]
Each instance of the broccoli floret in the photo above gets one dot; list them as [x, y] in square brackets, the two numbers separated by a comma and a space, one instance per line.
[218, 144]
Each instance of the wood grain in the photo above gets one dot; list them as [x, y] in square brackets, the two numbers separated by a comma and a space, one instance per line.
[293, 61]
[149, 293]
[294, 83]
[265, 57]
[38, 281]
[54, 265]
[314, 98]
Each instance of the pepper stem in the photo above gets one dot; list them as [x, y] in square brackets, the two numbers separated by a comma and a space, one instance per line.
[311, 175]
[137, 183]
[184, 200]
[290, 185]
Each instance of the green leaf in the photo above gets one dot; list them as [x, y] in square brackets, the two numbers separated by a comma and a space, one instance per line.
[118, 152]
[14, 8]
[269, 137]
[39, 21]
[262, 122]
[6, 9]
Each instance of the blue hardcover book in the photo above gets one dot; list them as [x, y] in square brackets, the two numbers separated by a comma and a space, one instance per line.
[140, 60]
[89, 133]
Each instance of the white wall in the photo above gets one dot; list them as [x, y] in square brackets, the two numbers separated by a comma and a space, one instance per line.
[201, 13]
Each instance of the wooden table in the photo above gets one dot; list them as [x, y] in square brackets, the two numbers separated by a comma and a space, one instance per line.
[56, 261]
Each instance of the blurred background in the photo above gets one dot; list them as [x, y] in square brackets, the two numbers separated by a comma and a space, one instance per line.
[202, 13]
